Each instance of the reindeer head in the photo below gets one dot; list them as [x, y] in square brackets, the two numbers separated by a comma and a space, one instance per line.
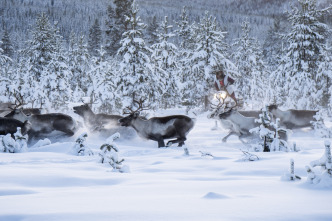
[18, 115]
[223, 104]
[133, 113]
[80, 110]
[272, 107]
[126, 121]
[227, 114]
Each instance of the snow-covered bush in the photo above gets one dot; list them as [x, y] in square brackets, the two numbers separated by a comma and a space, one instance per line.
[291, 175]
[320, 128]
[324, 178]
[14, 145]
[21, 141]
[80, 148]
[109, 154]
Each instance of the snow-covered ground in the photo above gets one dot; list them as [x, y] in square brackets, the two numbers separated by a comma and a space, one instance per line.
[48, 183]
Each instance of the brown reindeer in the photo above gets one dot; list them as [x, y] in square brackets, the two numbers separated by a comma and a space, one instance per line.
[159, 128]
[43, 125]
[293, 119]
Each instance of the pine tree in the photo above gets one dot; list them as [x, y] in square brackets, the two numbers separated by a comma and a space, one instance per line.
[137, 80]
[273, 44]
[164, 56]
[5, 73]
[6, 44]
[248, 59]
[304, 54]
[39, 53]
[109, 154]
[209, 54]
[80, 148]
[116, 24]
[95, 38]
[57, 85]
[151, 31]
[184, 30]
[263, 130]
[103, 80]
[79, 62]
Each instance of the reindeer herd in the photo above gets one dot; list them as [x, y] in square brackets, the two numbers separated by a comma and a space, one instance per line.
[39, 125]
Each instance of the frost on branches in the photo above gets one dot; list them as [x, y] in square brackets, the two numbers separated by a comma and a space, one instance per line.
[269, 133]
[324, 178]
[80, 148]
[138, 77]
[14, 145]
[109, 154]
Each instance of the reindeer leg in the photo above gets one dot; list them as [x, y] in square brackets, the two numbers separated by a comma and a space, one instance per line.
[161, 143]
[224, 139]
[180, 141]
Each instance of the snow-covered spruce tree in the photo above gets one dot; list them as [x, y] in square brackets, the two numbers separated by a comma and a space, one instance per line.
[208, 55]
[304, 54]
[95, 38]
[151, 31]
[324, 73]
[109, 154]
[323, 179]
[273, 44]
[103, 80]
[270, 132]
[184, 30]
[57, 76]
[5, 75]
[39, 52]
[277, 143]
[138, 79]
[164, 56]
[80, 148]
[252, 81]
[263, 130]
[79, 63]
[116, 24]
[6, 44]
[184, 33]
[321, 130]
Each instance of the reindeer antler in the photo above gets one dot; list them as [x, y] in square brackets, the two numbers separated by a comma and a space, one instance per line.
[19, 101]
[139, 103]
[223, 104]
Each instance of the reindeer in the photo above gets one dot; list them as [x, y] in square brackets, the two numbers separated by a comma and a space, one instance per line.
[42, 125]
[238, 122]
[159, 128]
[228, 120]
[96, 121]
[293, 119]
[9, 126]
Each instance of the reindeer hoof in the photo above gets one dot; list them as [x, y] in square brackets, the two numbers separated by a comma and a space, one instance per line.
[224, 140]
[169, 144]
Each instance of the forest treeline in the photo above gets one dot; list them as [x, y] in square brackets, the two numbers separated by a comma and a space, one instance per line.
[116, 52]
